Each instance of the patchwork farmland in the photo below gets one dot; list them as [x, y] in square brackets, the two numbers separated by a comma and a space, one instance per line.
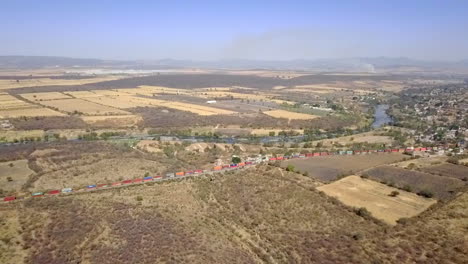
[330, 168]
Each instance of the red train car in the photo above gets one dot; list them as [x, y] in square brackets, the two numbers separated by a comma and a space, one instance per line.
[53, 192]
[9, 198]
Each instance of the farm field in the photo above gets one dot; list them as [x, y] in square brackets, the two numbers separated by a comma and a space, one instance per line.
[44, 96]
[329, 168]
[112, 121]
[12, 84]
[375, 197]
[129, 101]
[18, 171]
[449, 170]
[441, 187]
[82, 106]
[81, 94]
[11, 107]
[289, 115]
[368, 137]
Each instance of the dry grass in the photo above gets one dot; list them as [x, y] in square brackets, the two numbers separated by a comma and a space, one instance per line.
[44, 96]
[18, 171]
[11, 243]
[257, 97]
[10, 135]
[92, 171]
[266, 132]
[113, 121]
[374, 196]
[11, 107]
[289, 115]
[82, 94]
[368, 137]
[11, 84]
[30, 112]
[85, 107]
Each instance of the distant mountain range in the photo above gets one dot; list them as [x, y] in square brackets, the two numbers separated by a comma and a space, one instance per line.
[351, 64]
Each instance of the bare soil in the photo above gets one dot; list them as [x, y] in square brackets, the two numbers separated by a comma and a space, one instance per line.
[329, 168]
[441, 187]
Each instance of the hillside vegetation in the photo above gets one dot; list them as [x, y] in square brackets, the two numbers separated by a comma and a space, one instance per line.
[261, 215]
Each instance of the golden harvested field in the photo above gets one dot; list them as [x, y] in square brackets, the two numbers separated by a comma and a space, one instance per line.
[11, 107]
[8, 102]
[44, 96]
[122, 102]
[129, 101]
[151, 90]
[19, 172]
[11, 84]
[29, 112]
[109, 92]
[82, 94]
[256, 97]
[357, 192]
[86, 107]
[289, 115]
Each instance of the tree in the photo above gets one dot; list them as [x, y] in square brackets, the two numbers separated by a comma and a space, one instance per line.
[236, 160]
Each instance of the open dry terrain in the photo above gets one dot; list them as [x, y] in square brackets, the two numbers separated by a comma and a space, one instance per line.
[375, 197]
[329, 168]
[262, 215]
[13, 174]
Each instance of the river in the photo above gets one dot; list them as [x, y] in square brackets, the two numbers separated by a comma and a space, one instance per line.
[380, 116]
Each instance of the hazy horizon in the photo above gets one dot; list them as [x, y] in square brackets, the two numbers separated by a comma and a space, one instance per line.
[212, 30]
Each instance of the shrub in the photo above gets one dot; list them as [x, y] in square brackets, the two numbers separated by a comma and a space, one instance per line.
[365, 176]
[290, 168]
[236, 160]
[139, 198]
[9, 179]
[453, 160]
[394, 194]
[363, 212]
[407, 188]
[426, 193]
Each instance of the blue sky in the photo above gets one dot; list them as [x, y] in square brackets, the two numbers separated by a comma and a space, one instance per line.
[208, 30]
